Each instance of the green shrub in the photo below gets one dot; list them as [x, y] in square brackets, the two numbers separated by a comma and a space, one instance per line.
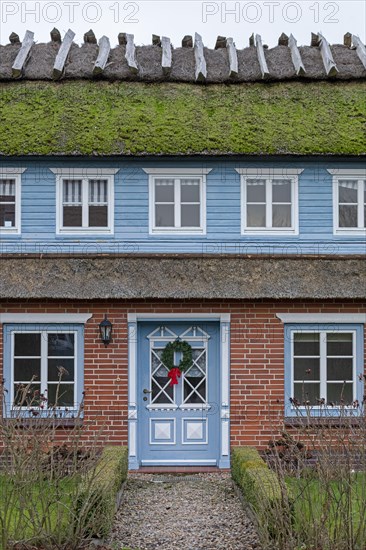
[262, 491]
[96, 505]
[258, 483]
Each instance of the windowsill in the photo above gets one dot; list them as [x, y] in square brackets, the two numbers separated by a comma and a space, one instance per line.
[5, 232]
[34, 422]
[270, 232]
[357, 232]
[82, 232]
[314, 421]
[170, 231]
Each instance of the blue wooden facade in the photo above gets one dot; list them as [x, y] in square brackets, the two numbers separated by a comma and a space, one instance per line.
[223, 210]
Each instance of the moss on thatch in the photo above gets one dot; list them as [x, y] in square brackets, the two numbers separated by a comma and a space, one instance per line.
[130, 118]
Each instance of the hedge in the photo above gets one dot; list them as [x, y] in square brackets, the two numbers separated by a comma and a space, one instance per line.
[259, 484]
[96, 503]
[262, 492]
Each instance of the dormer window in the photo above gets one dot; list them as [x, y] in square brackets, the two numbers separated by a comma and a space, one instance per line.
[177, 201]
[349, 190]
[10, 200]
[85, 200]
[269, 201]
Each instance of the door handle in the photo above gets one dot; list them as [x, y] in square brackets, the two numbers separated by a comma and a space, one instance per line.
[146, 391]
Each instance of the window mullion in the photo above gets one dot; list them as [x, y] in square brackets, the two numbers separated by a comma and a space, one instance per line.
[177, 203]
[360, 205]
[44, 360]
[269, 204]
[61, 201]
[323, 366]
[85, 202]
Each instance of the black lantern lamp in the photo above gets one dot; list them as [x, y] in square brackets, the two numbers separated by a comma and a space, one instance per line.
[105, 329]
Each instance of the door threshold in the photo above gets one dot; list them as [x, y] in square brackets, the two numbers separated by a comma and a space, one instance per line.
[178, 470]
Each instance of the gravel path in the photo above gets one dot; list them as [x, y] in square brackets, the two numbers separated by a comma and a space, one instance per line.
[195, 512]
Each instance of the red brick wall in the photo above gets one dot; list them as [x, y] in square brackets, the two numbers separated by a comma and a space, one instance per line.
[257, 359]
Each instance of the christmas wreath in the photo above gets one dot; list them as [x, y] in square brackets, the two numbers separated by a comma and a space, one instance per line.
[167, 357]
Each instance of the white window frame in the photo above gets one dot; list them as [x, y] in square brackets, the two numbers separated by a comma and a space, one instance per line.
[84, 174]
[359, 176]
[323, 363]
[177, 175]
[43, 381]
[323, 322]
[25, 322]
[15, 174]
[269, 174]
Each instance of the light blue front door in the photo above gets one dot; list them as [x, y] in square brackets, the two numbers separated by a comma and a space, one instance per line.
[180, 424]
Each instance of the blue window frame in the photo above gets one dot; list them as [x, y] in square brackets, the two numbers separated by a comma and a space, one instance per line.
[48, 362]
[323, 364]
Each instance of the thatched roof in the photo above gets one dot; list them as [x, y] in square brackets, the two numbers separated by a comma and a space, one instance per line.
[137, 118]
[149, 100]
[182, 278]
[194, 62]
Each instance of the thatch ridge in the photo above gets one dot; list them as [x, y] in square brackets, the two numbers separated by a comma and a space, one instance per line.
[81, 59]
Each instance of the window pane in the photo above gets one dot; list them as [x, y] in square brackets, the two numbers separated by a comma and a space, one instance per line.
[7, 190]
[164, 215]
[198, 396]
[7, 215]
[166, 396]
[256, 215]
[27, 396]
[190, 191]
[306, 369]
[339, 344]
[27, 345]
[339, 369]
[60, 345]
[65, 397]
[190, 215]
[26, 369]
[61, 366]
[72, 216]
[336, 392]
[164, 190]
[98, 216]
[72, 191]
[306, 343]
[281, 191]
[348, 216]
[348, 191]
[98, 192]
[281, 215]
[307, 392]
[256, 190]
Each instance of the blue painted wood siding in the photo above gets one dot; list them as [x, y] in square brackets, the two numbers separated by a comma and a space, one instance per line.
[131, 208]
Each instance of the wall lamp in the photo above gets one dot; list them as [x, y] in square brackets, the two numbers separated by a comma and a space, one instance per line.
[105, 329]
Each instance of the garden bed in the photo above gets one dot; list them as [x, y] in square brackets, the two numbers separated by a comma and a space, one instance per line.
[330, 512]
[48, 509]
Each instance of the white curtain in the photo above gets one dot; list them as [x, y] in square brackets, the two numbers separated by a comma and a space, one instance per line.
[72, 192]
[98, 191]
[7, 188]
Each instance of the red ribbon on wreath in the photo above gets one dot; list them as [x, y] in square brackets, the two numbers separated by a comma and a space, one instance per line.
[174, 374]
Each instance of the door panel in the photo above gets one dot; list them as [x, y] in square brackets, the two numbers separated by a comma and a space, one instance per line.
[178, 424]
